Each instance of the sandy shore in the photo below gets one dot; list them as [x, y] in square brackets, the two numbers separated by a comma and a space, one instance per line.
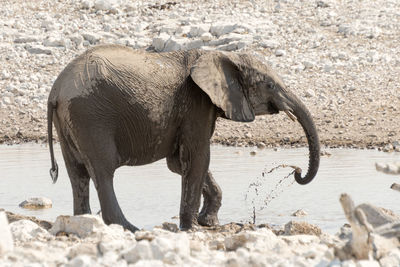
[341, 59]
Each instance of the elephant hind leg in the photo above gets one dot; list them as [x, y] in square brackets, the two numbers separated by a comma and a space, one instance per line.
[100, 159]
[211, 191]
[212, 195]
[78, 176]
[110, 209]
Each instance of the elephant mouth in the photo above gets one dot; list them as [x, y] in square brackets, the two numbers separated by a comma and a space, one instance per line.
[272, 108]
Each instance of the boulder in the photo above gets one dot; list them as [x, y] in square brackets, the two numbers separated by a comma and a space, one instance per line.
[174, 44]
[218, 30]
[301, 228]
[388, 168]
[81, 261]
[16, 217]
[160, 247]
[193, 44]
[299, 213]
[160, 41]
[89, 249]
[76, 39]
[59, 41]
[6, 240]
[25, 39]
[262, 239]
[199, 30]
[36, 203]
[91, 37]
[85, 226]
[142, 251]
[105, 5]
[39, 50]
[377, 216]
[26, 230]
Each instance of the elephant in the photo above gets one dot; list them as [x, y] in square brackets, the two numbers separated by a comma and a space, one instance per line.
[114, 106]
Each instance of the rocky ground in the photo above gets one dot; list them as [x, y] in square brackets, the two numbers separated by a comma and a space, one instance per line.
[86, 241]
[341, 57]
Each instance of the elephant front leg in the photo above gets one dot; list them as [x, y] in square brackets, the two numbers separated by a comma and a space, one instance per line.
[194, 163]
[212, 202]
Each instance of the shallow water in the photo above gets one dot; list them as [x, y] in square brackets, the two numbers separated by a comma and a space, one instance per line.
[150, 195]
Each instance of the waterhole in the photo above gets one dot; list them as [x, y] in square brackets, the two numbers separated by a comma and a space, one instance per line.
[150, 194]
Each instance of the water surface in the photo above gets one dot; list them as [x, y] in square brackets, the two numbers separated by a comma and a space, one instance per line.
[150, 194]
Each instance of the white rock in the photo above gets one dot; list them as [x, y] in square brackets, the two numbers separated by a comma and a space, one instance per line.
[391, 259]
[269, 44]
[87, 4]
[280, 52]
[6, 100]
[6, 239]
[25, 39]
[218, 30]
[199, 30]
[91, 37]
[36, 203]
[308, 64]
[76, 39]
[388, 168]
[232, 37]
[228, 47]
[300, 212]
[345, 29]
[25, 230]
[170, 29]
[367, 263]
[107, 245]
[56, 42]
[81, 261]
[328, 67]
[86, 226]
[84, 248]
[181, 244]
[172, 258]
[142, 251]
[174, 44]
[206, 37]
[348, 263]
[310, 93]
[105, 5]
[160, 41]
[5, 75]
[160, 246]
[39, 50]
[195, 44]
[149, 263]
[263, 239]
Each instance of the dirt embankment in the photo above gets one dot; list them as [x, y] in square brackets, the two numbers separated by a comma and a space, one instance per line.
[341, 58]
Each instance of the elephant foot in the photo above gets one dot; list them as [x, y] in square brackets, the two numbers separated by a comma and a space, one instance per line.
[188, 224]
[208, 219]
[130, 227]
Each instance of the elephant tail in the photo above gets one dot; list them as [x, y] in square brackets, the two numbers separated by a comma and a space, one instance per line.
[51, 106]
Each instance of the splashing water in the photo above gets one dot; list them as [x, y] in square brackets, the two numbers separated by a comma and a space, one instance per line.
[259, 185]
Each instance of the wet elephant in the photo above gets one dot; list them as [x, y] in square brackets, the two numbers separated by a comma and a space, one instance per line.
[115, 106]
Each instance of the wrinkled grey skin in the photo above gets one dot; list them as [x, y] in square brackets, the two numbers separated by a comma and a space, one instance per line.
[114, 106]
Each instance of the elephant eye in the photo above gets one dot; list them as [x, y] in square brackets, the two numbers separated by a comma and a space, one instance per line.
[271, 85]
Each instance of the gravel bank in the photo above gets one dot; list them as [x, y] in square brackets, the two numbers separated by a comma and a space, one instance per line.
[341, 57]
[86, 241]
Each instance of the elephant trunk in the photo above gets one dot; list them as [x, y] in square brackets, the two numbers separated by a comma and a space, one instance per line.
[304, 117]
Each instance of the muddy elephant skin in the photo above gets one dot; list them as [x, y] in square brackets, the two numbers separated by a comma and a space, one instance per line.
[115, 106]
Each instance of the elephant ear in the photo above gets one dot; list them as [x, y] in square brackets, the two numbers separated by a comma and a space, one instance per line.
[219, 77]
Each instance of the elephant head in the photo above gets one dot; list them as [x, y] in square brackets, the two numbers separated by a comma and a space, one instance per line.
[243, 87]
